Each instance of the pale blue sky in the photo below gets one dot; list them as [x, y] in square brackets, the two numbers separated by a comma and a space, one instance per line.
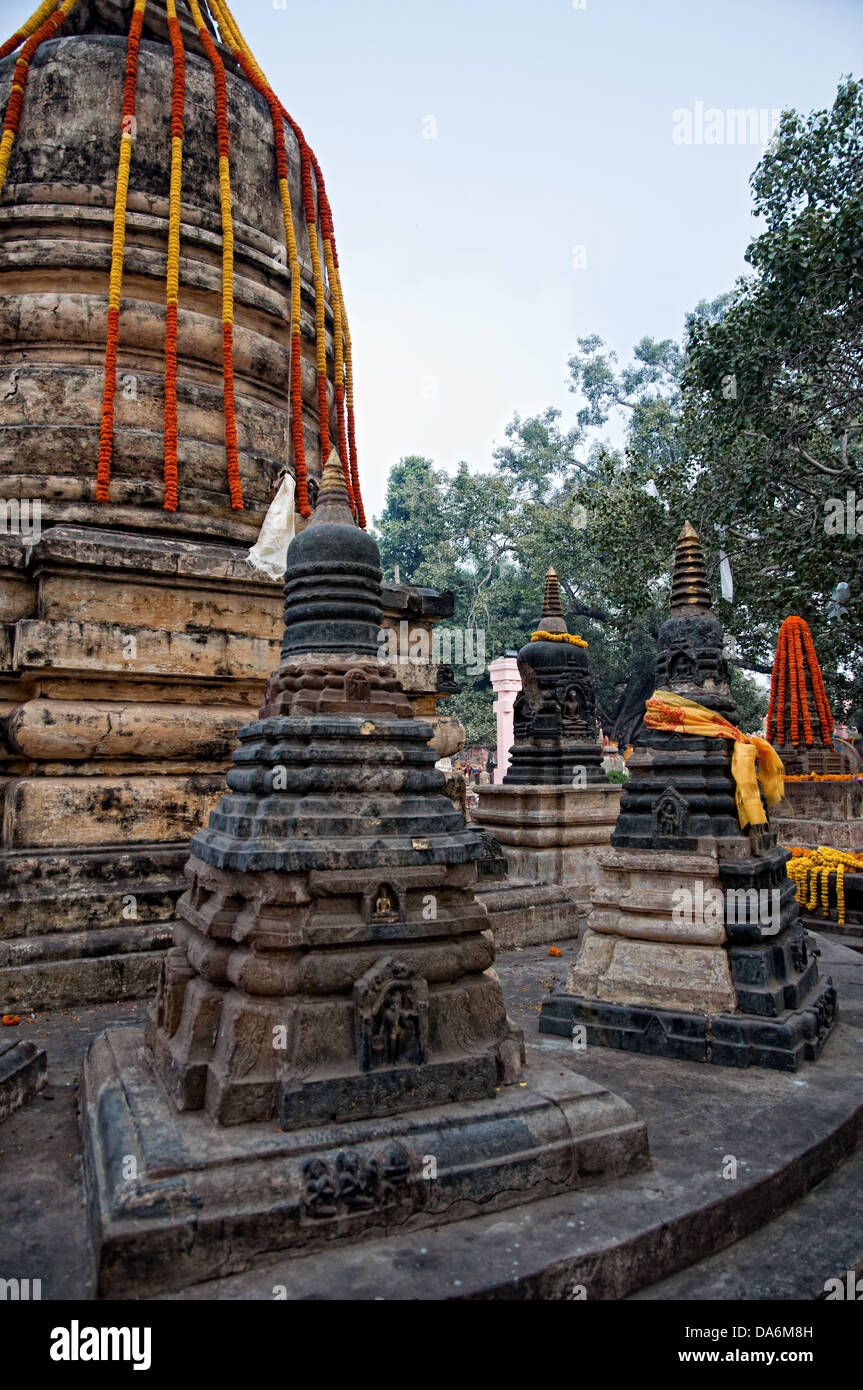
[554, 130]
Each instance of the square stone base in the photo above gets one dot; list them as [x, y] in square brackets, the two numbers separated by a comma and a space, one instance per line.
[728, 1040]
[175, 1199]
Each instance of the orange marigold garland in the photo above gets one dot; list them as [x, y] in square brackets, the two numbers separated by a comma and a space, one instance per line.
[347, 394]
[231, 35]
[115, 286]
[320, 320]
[46, 30]
[775, 678]
[795, 658]
[172, 280]
[45, 10]
[825, 716]
[223, 143]
[801, 681]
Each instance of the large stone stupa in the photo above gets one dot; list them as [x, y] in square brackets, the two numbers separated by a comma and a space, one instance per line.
[173, 340]
[695, 947]
[327, 1020]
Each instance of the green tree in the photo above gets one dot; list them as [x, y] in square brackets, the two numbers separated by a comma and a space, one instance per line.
[773, 393]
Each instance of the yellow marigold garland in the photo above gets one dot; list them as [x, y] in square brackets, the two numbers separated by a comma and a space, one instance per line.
[223, 140]
[37, 37]
[573, 639]
[36, 20]
[810, 872]
[231, 36]
[115, 284]
[172, 278]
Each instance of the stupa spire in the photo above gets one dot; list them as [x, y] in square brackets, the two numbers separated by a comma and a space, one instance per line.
[552, 619]
[690, 591]
[333, 501]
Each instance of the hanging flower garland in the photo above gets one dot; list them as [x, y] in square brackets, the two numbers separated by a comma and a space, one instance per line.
[42, 25]
[172, 279]
[40, 34]
[796, 662]
[558, 637]
[231, 34]
[115, 285]
[35, 22]
[223, 145]
[810, 872]
[234, 40]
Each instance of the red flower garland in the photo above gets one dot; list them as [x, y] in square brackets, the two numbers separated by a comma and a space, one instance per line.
[796, 661]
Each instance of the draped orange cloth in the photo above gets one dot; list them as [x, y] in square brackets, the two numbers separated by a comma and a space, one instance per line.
[753, 759]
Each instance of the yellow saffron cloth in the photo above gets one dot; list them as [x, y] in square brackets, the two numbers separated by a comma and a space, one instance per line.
[753, 759]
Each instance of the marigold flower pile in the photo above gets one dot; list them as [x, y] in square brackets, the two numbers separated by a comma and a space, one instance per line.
[810, 872]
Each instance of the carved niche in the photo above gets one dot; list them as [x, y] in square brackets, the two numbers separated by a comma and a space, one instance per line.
[391, 1016]
[671, 815]
[383, 903]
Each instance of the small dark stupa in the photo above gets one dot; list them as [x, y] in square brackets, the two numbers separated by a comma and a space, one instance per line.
[554, 716]
[695, 947]
[329, 1052]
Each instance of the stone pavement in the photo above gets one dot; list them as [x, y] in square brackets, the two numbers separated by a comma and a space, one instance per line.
[788, 1133]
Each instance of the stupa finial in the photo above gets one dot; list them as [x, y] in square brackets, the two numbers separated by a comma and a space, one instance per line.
[552, 619]
[690, 591]
[333, 502]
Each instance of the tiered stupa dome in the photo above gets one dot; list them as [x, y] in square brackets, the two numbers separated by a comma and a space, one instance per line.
[174, 332]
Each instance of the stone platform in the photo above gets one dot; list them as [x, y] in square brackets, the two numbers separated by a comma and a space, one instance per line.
[792, 1141]
[524, 913]
[552, 834]
[792, 1136]
[821, 813]
[208, 1198]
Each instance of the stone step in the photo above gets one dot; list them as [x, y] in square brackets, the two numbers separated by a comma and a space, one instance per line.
[789, 1258]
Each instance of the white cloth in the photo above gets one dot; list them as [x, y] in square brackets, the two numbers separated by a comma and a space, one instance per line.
[270, 550]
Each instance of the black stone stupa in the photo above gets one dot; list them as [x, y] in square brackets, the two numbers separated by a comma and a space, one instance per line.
[554, 715]
[327, 1018]
[694, 947]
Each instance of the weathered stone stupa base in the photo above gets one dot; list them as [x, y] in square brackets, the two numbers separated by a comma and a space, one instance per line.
[206, 1199]
[552, 834]
[23, 1072]
[821, 813]
[522, 912]
[730, 1040]
[552, 837]
[654, 979]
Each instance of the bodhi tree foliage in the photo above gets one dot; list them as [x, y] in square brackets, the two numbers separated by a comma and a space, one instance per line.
[773, 396]
[748, 427]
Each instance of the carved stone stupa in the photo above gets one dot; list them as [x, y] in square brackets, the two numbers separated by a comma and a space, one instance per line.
[695, 947]
[327, 1017]
[555, 809]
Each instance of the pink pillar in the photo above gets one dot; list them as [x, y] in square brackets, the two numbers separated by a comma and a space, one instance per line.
[506, 683]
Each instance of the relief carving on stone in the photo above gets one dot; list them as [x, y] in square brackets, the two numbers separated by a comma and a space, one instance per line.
[391, 1013]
